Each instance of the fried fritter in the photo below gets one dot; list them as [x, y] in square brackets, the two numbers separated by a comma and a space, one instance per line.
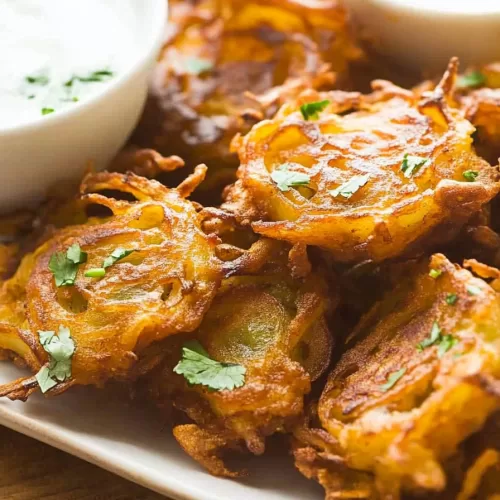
[228, 63]
[274, 326]
[420, 376]
[481, 104]
[360, 196]
[163, 287]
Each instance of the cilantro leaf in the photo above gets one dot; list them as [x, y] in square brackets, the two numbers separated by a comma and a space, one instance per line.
[64, 266]
[411, 164]
[470, 175]
[116, 255]
[446, 343]
[451, 299]
[60, 370]
[351, 186]
[197, 65]
[76, 255]
[45, 381]
[471, 80]
[311, 110]
[473, 290]
[198, 368]
[285, 179]
[435, 273]
[45, 337]
[60, 349]
[47, 111]
[392, 379]
[434, 337]
[42, 80]
[96, 76]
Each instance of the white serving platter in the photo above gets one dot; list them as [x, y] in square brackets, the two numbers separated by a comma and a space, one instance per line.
[132, 442]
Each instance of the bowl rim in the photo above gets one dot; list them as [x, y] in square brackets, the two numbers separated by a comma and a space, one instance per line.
[159, 14]
[439, 7]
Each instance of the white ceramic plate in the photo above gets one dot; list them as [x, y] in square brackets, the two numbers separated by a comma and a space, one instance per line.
[132, 442]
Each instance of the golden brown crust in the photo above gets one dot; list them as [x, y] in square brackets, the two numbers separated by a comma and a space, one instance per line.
[403, 433]
[273, 325]
[163, 288]
[392, 213]
[255, 55]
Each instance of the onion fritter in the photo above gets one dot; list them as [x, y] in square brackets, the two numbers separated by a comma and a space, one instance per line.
[163, 288]
[274, 326]
[228, 63]
[481, 104]
[421, 377]
[360, 196]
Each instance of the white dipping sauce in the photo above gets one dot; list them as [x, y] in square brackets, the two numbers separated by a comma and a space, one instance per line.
[56, 53]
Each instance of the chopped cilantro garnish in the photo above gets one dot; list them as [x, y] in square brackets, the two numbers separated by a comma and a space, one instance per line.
[473, 290]
[435, 273]
[451, 299]
[286, 179]
[311, 110]
[470, 175]
[64, 266]
[411, 164]
[116, 255]
[434, 337]
[95, 76]
[446, 343]
[197, 65]
[97, 272]
[471, 80]
[60, 349]
[351, 186]
[392, 379]
[38, 80]
[198, 368]
[47, 111]
[76, 255]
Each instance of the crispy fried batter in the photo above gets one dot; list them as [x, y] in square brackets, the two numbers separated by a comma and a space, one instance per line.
[481, 106]
[273, 325]
[226, 64]
[403, 433]
[164, 287]
[392, 213]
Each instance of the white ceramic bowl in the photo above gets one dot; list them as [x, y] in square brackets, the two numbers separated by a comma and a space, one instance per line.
[37, 155]
[424, 34]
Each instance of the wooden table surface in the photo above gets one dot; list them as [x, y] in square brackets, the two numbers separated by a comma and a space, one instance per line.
[30, 470]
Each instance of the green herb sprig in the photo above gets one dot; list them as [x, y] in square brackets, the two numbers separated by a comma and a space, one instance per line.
[60, 349]
[471, 80]
[470, 175]
[350, 187]
[198, 368]
[64, 266]
[311, 110]
[411, 164]
[436, 337]
[286, 179]
[392, 380]
[116, 255]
